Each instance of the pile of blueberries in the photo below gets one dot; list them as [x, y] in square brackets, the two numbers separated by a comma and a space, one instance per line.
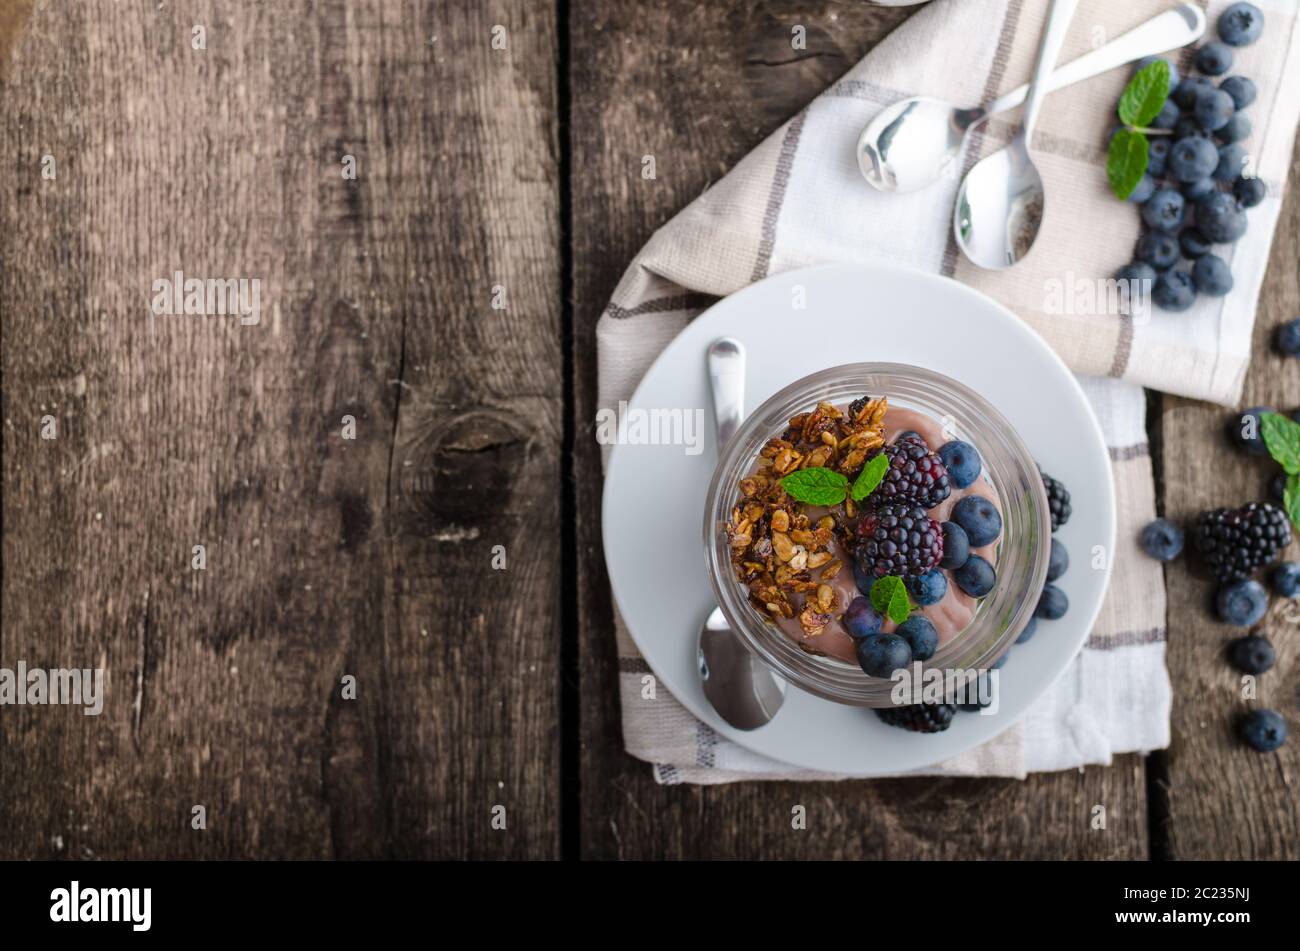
[1233, 544]
[1195, 192]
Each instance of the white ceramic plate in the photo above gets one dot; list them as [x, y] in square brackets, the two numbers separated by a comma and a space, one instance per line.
[654, 494]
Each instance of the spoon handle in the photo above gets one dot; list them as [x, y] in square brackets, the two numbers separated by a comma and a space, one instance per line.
[1166, 31]
[726, 359]
[1058, 24]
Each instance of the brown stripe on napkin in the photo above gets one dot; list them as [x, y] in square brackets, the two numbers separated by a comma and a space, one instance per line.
[780, 179]
[1123, 347]
[662, 305]
[1107, 642]
[1125, 453]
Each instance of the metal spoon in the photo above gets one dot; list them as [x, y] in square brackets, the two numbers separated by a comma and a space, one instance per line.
[741, 688]
[914, 143]
[1000, 202]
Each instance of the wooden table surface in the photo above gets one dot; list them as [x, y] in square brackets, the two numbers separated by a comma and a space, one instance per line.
[445, 299]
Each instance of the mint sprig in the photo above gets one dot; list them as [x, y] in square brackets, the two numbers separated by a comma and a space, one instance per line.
[1128, 155]
[1282, 437]
[816, 485]
[889, 596]
[869, 477]
[1145, 94]
[1126, 162]
[1291, 499]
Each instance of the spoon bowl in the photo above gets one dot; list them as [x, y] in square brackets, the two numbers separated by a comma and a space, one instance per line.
[1000, 208]
[1001, 200]
[912, 143]
[740, 686]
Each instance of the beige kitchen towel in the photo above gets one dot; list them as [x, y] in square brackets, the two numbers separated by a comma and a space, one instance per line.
[798, 200]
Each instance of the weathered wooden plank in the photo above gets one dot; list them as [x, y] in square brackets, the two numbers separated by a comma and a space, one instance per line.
[326, 556]
[1225, 800]
[698, 87]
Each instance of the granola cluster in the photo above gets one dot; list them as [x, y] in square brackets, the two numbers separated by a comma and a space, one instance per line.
[778, 551]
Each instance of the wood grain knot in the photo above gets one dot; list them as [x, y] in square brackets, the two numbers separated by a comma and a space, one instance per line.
[458, 476]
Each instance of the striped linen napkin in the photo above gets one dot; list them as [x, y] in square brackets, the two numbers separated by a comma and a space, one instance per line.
[798, 200]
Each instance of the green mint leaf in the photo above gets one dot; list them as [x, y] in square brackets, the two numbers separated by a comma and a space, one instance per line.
[889, 596]
[869, 477]
[1291, 499]
[1282, 437]
[1126, 162]
[1145, 94]
[816, 486]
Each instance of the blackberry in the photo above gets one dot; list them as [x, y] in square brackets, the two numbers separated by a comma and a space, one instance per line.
[915, 475]
[1058, 500]
[1235, 542]
[919, 717]
[898, 540]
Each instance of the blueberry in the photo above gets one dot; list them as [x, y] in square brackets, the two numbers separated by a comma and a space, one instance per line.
[1030, 630]
[1241, 89]
[962, 462]
[1193, 243]
[1287, 338]
[1167, 118]
[1236, 129]
[1164, 210]
[881, 654]
[861, 619]
[1140, 272]
[1000, 661]
[1145, 188]
[1189, 90]
[976, 577]
[929, 587]
[1158, 155]
[1187, 128]
[863, 579]
[1219, 218]
[1174, 291]
[1058, 562]
[1193, 158]
[1285, 579]
[1244, 430]
[1249, 192]
[1213, 109]
[920, 636]
[1052, 604]
[1251, 654]
[1241, 24]
[1212, 275]
[1201, 188]
[980, 518]
[1262, 730]
[1158, 249]
[956, 546]
[1214, 58]
[1162, 540]
[1146, 61]
[1277, 486]
[1232, 162]
[1242, 603]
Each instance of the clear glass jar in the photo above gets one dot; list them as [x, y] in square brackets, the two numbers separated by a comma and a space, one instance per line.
[1022, 550]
